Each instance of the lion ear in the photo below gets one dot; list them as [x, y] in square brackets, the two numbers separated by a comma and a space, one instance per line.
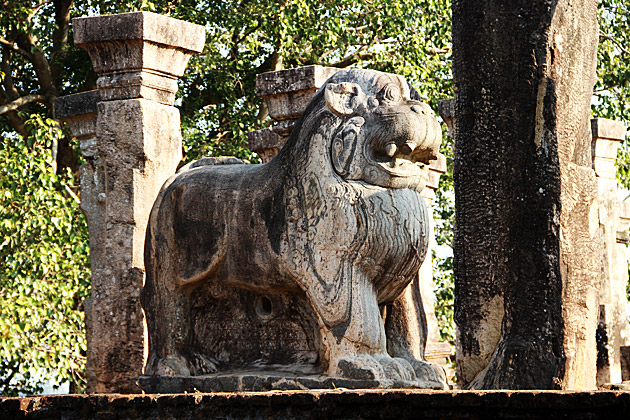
[344, 146]
[343, 98]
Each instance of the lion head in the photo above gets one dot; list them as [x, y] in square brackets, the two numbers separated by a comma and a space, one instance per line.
[386, 138]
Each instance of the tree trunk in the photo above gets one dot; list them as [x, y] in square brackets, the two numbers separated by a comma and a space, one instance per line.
[525, 276]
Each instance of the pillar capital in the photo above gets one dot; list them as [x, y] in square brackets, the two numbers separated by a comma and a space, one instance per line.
[138, 54]
[607, 136]
[78, 112]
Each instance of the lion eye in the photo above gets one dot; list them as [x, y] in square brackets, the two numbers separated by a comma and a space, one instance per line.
[391, 93]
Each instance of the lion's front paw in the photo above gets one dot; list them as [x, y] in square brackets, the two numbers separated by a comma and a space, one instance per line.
[201, 365]
[174, 365]
[396, 368]
[431, 373]
[178, 365]
[360, 366]
[377, 367]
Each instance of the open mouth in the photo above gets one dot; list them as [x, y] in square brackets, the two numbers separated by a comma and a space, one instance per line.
[401, 161]
[402, 167]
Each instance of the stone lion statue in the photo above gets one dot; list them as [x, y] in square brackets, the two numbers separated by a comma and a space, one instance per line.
[307, 264]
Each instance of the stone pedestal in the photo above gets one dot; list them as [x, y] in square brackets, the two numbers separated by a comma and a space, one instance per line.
[286, 94]
[134, 148]
[612, 331]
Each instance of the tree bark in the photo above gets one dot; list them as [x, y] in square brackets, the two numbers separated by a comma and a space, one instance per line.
[524, 189]
[60, 37]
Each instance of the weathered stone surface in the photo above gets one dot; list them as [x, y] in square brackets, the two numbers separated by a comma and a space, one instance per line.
[268, 142]
[604, 128]
[138, 54]
[78, 112]
[612, 332]
[256, 381]
[526, 255]
[621, 273]
[625, 363]
[139, 142]
[607, 135]
[286, 94]
[68, 107]
[134, 145]
[292, 80]
[446, 109]
[284, 265]
[330, 404]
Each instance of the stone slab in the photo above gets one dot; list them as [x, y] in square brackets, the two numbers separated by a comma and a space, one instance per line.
[292, 80]
[259, 381]
[139, 25]
[608, 129]
[331, 404]
[77, 104]
[139, 54]
[266, 138]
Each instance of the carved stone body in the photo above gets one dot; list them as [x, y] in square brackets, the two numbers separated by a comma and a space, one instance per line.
[304, 264]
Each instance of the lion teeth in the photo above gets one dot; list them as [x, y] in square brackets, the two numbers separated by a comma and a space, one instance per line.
[390, 149]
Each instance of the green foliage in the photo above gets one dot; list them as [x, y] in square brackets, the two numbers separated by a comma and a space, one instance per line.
[44, 254]
[43, 266]
[612, 89]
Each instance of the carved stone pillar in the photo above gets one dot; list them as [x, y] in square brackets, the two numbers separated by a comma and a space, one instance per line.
[286, 94]
[612, 332]
[436, 350]
[78, 112]
[138, 57]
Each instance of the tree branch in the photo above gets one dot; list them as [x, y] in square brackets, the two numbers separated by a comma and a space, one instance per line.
[12, 106]
[40, 65]
[354, 57]
[36, 9]
[437, 51]
[602, 35]
[60, 38]
[12, 46]
[10, 91]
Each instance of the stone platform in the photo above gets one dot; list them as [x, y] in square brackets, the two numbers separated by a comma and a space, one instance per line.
[264, 381]
[329, 404]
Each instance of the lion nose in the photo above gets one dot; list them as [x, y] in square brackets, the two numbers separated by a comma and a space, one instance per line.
[417, 109]
[407, 148]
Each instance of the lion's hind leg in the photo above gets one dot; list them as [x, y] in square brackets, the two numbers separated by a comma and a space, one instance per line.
[166, 301]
